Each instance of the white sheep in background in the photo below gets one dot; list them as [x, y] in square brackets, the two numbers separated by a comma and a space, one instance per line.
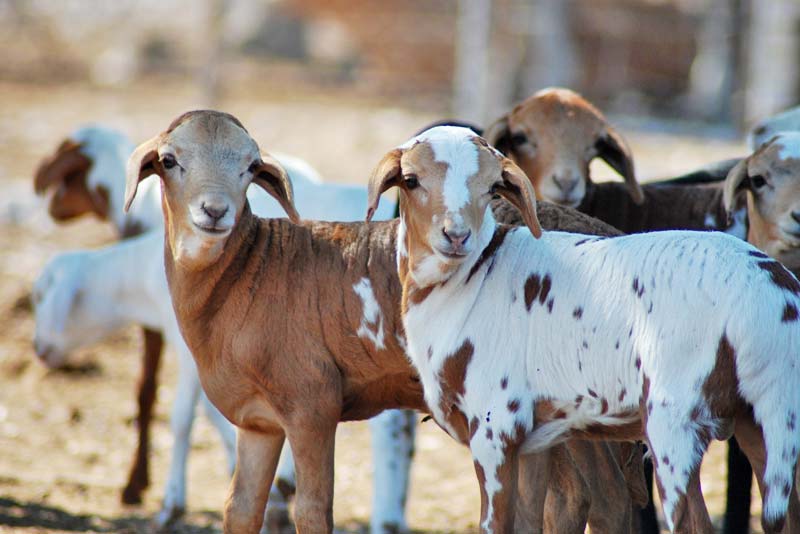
[86, 175]
[763, 131]
[522, 342]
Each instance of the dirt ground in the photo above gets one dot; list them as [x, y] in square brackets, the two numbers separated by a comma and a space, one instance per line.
[67, 437]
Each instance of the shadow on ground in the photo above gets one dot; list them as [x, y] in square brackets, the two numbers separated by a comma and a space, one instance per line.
[41, 516]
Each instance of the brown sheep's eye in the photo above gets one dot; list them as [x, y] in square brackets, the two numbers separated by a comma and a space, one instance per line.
[493, 191]
[168, 161]
[758, 181]
[411, 181]
[519, 139]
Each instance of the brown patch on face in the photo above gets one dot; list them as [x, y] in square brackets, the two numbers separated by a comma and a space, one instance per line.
[513, 405]
[780, 276]
[789, 313]
[504, 382]
[489, 251]
[577, 312]
[622, 394]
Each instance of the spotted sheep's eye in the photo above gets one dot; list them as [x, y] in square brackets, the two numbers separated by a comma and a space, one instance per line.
[411, 181]
[254, 166]
[493, 191]
[758, 181]
[168, 161]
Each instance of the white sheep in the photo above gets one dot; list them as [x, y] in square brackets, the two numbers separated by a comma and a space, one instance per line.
[521, 343]
[86, 174]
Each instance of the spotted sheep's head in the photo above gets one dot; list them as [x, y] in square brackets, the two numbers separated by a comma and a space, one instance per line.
[769, 181]
[447, 176]
[206, 160]
[553, 136]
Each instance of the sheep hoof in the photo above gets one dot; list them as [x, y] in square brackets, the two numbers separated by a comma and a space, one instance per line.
[166, 518]
[132, 494]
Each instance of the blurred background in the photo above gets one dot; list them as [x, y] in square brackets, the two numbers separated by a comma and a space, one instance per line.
[338, 83]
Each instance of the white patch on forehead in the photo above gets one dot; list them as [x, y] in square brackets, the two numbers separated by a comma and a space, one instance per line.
[790, 145]
[371, 326]
[454, 146]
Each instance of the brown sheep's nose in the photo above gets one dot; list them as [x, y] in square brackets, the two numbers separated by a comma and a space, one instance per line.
[456, 238]
[215, 212]
[565, 182]
[796, 216]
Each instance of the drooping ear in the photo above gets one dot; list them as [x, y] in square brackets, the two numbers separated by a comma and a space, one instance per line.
[55, 169]
[385, 176]
[735, 184]
[499, 136]
[613, 149]
[272, 177]
[517, 189]
[141, 164]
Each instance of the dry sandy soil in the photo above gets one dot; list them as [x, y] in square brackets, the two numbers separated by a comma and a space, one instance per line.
[66, 437]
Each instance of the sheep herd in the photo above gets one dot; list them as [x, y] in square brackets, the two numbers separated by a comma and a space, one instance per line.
[504, 301]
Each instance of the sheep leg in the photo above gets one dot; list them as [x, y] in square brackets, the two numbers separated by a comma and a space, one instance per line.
[392, 451]
[139, 478]
[568, 504]
[257, 456]
[313, 447]
[751, 441]
[187, 394]
[611, 506]
[533, 477]
[737, 502]
[226, 430]
[276, 518]
[496, 468]
[678, 448]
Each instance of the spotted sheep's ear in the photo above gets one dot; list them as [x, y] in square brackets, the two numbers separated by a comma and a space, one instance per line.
[141, 164]
[517, 189]
[612, 148]
[270, 175]
[385, 176]
[54, 170]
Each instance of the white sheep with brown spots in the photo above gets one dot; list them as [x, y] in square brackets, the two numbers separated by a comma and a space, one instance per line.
[670, 336]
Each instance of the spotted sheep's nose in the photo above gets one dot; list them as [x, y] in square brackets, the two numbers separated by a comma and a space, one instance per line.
[457, 238]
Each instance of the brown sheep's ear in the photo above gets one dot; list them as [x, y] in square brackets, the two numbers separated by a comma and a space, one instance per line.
[141, 164]
[385, 176]
[613, 149]
[55, 169]
[272, 177]
[499, 136]
[517, 189]
[735, 184]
